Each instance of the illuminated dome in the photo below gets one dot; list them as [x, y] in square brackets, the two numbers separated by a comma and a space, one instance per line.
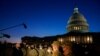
[77, 22]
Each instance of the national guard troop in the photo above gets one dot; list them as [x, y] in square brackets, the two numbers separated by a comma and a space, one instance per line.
[32, 51]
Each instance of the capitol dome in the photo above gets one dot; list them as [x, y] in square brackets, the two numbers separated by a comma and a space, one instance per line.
[77, 22]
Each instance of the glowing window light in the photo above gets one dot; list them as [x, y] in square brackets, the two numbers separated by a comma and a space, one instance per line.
[91, 39]
[77, 28]
[60, 39]
[88, 39]
[72, 38]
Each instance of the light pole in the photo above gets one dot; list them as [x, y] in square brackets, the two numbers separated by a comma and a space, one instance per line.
[23, 24]
[8, 36]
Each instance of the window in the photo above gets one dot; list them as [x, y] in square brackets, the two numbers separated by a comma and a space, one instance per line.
[72, 38]
[88, 39]
[76, 28]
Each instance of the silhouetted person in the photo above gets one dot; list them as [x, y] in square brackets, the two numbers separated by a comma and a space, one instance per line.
[17, 51]
[61, 50]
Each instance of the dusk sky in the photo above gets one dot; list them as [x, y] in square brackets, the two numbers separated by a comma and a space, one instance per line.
[44, 17]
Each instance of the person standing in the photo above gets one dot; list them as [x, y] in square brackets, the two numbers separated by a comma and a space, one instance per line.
[32, 51]
[49, 51]
[41, 51]
[67, 49]
[24, 50]
[57, 51]
[17, 50]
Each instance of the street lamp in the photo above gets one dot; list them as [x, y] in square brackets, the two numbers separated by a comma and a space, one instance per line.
[5, 35]
[23, 24]
[8, 36]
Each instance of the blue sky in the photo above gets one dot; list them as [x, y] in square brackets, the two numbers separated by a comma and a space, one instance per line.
[45, 17]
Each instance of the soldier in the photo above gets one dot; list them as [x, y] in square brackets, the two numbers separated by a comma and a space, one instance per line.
[17, 51]
[67, 49]
[49, 51]
[32, 51]
[24, 50]
[41, 51]
[56, 51]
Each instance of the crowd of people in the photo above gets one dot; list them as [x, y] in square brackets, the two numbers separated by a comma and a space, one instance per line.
[56, 49]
